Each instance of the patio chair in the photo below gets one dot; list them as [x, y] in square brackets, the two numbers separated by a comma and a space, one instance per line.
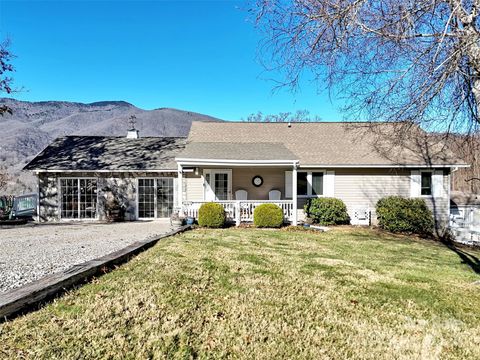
[274, 195]
[241, 194]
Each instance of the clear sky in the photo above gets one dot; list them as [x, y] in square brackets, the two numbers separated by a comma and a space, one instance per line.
[191, 55]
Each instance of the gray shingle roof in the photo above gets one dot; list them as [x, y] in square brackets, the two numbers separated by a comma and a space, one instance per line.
[326, 143]
[236, 151]
[90, 153]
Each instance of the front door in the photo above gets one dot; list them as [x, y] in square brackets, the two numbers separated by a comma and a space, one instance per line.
[218, 184]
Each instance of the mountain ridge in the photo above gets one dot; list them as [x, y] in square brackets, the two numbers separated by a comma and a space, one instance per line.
[33, 125]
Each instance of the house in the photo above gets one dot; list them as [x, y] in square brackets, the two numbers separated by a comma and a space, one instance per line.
[77, 175]
[241, 165]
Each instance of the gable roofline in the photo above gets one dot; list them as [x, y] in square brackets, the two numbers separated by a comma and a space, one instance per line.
[331, 144]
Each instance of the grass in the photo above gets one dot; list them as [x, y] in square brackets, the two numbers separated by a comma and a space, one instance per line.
[246, 293]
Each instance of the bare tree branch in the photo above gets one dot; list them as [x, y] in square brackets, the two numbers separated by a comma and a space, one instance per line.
[391, 60]
[5, 67]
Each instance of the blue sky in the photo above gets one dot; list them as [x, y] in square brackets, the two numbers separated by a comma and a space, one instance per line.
[192, 55]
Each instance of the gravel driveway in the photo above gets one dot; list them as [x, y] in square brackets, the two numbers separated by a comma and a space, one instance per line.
[32, 251]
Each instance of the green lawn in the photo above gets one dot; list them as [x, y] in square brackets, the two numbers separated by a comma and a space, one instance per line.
[267, 294]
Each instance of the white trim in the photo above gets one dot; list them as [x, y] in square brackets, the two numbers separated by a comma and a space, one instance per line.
[195, 162]
[229, 162]
[59, 187]
[415, 180]
[294, 196]
[212, 173]
[179, 201]
[385, 166]
[102, 171]
[136, 199]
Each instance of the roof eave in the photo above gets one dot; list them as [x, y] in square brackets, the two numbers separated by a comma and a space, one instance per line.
[235, 162]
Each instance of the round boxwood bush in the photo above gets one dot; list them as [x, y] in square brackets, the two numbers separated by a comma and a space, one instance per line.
[403, 215]
[327, 211]
[211, 215]
[268, 216]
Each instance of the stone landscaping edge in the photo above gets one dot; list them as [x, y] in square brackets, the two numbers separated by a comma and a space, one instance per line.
[31, 296]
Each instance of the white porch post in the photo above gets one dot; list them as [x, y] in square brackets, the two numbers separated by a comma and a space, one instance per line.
[294, 194]
[180, 187]
[237, 213]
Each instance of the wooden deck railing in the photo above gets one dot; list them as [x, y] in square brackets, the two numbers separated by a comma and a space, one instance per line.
[239, 211]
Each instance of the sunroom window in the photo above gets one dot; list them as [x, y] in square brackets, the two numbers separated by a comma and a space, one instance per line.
[78, 198]
[155, 198]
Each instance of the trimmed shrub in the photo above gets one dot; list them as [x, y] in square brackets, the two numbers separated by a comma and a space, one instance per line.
[211, 215]
[268, 216]
[327, 211]
[402, 215]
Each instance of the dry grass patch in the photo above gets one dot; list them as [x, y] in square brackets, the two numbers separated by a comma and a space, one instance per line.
[266, 294]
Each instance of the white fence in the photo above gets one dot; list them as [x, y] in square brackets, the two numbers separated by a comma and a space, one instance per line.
[465, 224]
[240, 211]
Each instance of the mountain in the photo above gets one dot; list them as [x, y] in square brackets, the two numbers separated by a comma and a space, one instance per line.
[33, 125]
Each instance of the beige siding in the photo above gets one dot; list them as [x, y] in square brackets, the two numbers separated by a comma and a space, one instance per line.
[193, 185]
[356, 187]
[364, 187]
[273, 179]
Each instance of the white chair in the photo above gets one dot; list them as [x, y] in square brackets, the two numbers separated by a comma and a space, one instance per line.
[241, 195]
[274, 195]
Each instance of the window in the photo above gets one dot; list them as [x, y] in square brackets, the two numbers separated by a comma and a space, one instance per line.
[302, 184]
[78, 198]
[426, 183]
[217, 184]
[146, 198]
[309, 183]
[317, 183]
[155, 198]
[221, 186]
[164, 197]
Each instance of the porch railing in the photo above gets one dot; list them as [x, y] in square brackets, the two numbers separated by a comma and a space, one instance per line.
[239, 211]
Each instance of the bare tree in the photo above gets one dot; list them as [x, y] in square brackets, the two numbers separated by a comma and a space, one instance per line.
[5, 68]
[409, 61]
[298, 116]
[3, 180]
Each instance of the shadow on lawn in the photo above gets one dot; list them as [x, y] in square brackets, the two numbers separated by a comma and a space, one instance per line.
[467, 258]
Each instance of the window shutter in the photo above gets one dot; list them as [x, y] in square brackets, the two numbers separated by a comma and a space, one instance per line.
[438, 188]
[415, 183]
[288, 184]
[229, 185]
[329, 183]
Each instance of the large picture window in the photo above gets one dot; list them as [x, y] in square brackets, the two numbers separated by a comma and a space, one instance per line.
[78, 198]
[155, 198]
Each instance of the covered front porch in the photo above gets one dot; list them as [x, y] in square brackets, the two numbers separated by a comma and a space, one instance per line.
[241, 211]
[239, 186]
